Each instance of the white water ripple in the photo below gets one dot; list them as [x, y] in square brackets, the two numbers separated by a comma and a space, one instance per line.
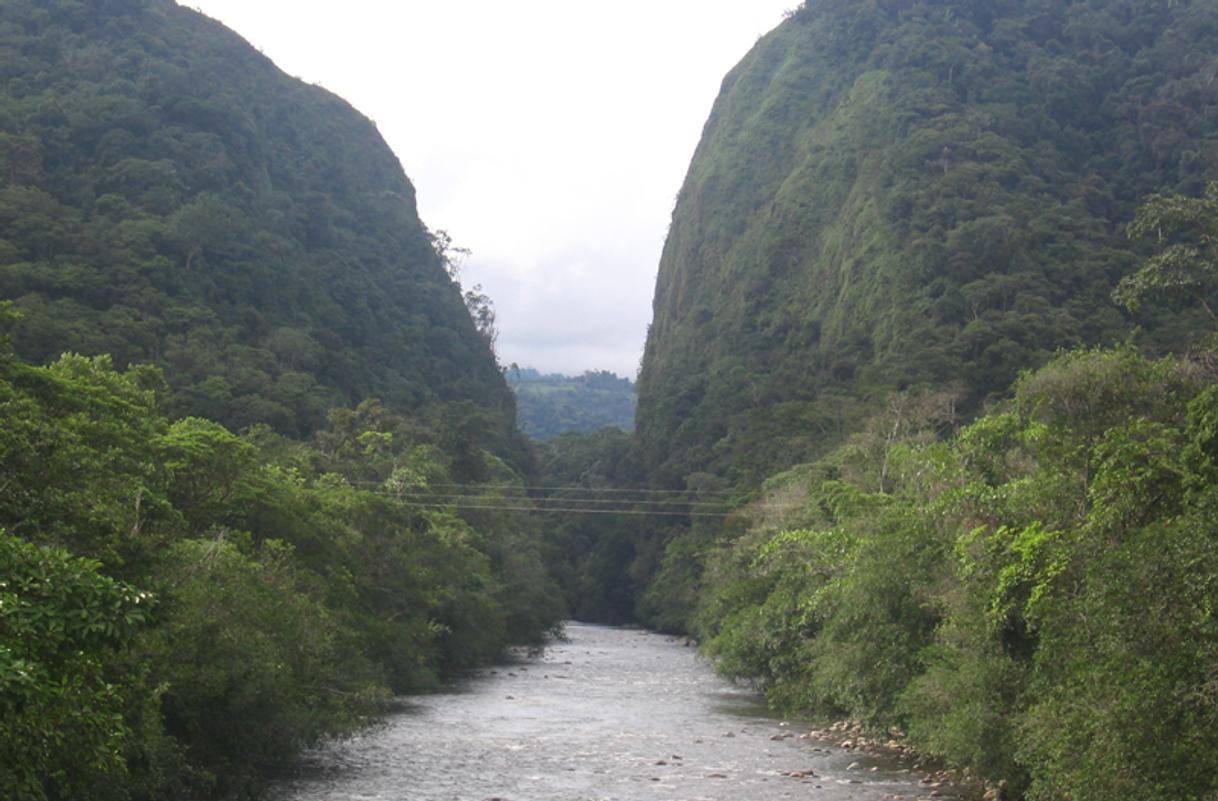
[610, 715]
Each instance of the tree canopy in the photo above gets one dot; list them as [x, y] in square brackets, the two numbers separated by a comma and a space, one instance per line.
[891, 195]
[182, 607]
[237, 383]
[169, 197]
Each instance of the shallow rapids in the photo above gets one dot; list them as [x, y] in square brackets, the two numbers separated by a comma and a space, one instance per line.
[611, 715]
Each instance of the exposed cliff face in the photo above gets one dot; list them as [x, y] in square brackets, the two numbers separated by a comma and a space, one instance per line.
[170, 196]
[892, 194]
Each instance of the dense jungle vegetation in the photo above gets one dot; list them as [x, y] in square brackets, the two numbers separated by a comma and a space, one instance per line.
[193, 244]
[898, 193]
[169, 197]
[896, 196]
[182, 607]
[1030, 598]
[927, 431]
[932, 368]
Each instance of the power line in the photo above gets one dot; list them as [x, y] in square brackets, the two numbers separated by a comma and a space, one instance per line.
[585, 511]
[502, 504]
[427, 496]
[643, 490]
[605, 490]
[514, 498]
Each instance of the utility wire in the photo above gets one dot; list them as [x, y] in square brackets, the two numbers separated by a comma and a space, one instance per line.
[585, 511]
[500, 504]
[605, 490]
[419, 496]
[508, 498]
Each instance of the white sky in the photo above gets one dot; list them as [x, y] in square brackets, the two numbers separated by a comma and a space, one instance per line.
[550, 137]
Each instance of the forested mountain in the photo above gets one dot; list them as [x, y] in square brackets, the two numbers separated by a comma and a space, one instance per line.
[932, 369]
[548, 405]
[227, 517]
[168, 196]
[892, 194]
[927, 430]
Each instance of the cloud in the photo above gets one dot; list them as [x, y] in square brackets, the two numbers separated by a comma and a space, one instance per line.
[548, 136]
[576, 310]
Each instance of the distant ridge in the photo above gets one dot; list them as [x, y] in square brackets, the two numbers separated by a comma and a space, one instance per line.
[549, 405]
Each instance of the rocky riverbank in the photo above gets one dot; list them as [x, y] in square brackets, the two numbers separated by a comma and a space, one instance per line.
[940, 783]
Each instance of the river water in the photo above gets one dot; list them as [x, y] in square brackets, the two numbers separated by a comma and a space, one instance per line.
[610, 715]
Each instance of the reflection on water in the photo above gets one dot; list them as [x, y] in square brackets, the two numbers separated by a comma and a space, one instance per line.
[611, 715]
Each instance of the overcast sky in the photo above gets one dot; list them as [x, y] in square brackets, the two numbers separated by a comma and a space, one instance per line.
[549, 137]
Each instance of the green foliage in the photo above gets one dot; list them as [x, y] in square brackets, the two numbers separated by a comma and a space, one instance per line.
[74, 455]
[169, 197]
[547, 406]
[962, 706]
[762, 613]
[301, 583]
[901, 213]
[674, 594]
[1119, 708]
[252, 669]
[1030, 600]
[832, 617]
[170, 200]
[590, 552]
[1088, 466]
[892, 195]
[62, 734]
[204, 464]
[1183, 269]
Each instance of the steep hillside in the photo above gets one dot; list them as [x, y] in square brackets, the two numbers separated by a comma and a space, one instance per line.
[217, 546]
[168, 196]
[892, 194]
[896, 208]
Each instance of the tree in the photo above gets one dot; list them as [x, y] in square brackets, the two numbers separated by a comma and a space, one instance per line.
[250, 667]
[1187, 268]
[61, 733]
[482, 311]
[452, 256]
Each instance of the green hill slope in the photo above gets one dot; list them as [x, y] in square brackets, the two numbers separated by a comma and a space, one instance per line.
[896, 209]
[549, 405]
[168, 196]
[893, 194]
[219, 547]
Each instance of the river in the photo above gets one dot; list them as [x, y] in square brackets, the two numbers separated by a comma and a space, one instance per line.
[610, 715]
